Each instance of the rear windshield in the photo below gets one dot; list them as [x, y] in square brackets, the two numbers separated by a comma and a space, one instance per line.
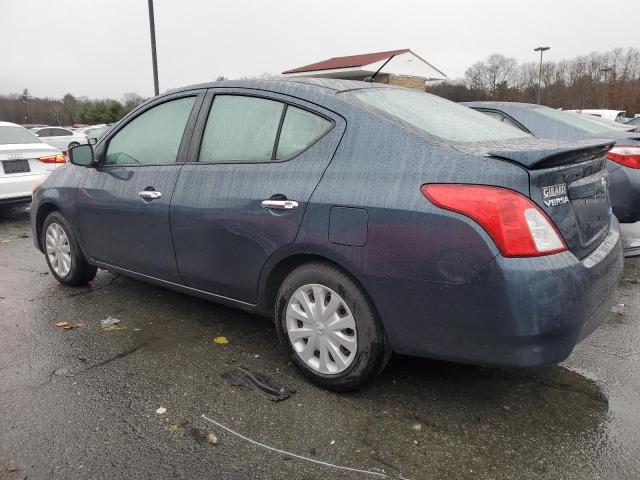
[437, 116]
[572, 119]
[13, 135]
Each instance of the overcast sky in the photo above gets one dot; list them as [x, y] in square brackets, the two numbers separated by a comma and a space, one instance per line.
[100, 48]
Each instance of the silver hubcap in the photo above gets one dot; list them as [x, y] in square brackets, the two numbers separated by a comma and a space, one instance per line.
[58, 249]
[321, 329]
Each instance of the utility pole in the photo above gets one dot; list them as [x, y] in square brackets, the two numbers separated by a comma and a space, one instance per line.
[154, 58]
[25, 98]
[605, 93]
[541, 50]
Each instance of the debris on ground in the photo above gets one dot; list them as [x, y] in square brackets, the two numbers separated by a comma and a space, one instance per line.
[221, 340]
[377, 472]
[173, 428]
[212, 439]
[332, 442]
[114, 328]
[618, 309]
[161, 411]
[67, 325]
[107, 322]
[243, 377]
[61, 372]
[417, 427]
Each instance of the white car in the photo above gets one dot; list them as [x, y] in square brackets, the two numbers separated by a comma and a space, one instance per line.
[94, 131]
[61, 138]
[625, 127]
[615, 115]
[24, 159]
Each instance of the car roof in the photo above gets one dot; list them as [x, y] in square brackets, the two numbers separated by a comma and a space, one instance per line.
[326, 86]
[9, 124]
[492, 104]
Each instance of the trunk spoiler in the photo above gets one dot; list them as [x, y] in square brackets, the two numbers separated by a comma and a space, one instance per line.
[554, 156]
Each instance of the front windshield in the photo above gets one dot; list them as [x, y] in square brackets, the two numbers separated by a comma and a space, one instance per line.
[572, 119]
[16, 135]
[437, 116]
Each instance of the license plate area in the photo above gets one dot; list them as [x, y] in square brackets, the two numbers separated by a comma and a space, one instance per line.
[15, 166]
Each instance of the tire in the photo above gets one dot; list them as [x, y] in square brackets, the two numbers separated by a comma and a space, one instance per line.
[80, 272]
[371, 352]
[72, 144]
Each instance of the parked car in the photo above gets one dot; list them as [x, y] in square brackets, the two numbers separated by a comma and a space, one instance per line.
[94, 131]
[634, 121]
[623, 162]
[23, 160]
[613, 115]
[61, 138]
[29, 126]
[625, 127]
[363, 218]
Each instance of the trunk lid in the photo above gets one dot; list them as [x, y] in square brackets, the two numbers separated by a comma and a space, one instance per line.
[568, 181]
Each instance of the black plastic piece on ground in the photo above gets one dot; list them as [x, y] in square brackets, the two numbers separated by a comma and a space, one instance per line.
[243, 377]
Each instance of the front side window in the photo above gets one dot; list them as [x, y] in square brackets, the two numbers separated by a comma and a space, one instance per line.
[300, 129]
[435, 115]
[241, 129]
[152, 138]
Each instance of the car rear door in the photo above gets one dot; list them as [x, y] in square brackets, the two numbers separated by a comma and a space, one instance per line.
[123, 204]
[253, 164]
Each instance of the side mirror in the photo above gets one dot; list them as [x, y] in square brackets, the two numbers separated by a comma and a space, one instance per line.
[81, 155]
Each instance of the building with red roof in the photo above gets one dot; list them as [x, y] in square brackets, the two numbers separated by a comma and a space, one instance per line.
[397, 67]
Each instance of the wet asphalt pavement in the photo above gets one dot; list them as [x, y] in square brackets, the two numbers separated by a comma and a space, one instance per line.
[81, 403]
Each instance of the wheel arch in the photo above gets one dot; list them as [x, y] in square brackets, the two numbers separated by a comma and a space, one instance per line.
[278, 268]
[43, 212]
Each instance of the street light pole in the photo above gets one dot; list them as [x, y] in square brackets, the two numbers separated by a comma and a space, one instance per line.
[605, 94]
[154, 58]
[541, 50]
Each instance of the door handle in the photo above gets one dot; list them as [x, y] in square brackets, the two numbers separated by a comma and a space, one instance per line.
[149, 194]
[280, 204]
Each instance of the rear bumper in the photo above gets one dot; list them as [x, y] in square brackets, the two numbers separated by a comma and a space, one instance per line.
[14, 188]
[624, 190]
[515, 312]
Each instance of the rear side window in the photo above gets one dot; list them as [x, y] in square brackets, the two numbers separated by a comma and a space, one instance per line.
[300, 129]
[59, 132]
[241, 129]
[435, 115]
[152, 138]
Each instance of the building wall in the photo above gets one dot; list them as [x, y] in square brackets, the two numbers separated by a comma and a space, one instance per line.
[407, 81]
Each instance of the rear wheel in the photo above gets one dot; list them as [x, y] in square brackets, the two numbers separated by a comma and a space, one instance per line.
[330, 328]
[62, 251]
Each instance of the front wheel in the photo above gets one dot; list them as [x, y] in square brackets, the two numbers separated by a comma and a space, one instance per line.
[329, 328]
[62, 251]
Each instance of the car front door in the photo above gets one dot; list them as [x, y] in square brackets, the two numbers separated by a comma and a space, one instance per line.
[61, 138]
[252, 167]
[123, 205]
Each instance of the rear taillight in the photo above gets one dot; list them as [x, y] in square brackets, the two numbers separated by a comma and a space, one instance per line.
[53, 159]
[629, 156]
[517, 226]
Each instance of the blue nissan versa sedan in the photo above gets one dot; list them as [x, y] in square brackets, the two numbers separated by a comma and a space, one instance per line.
[364, 218]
